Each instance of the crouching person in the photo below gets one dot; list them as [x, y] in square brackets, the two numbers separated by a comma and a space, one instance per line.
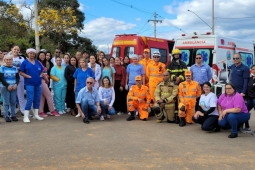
[188, 92]
[87, 101]
[138, 98]
[165, 96]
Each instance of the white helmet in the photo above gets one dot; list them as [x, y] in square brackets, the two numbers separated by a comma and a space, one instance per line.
[157, 53]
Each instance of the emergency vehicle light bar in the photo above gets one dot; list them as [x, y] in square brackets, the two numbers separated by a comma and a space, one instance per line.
[183, 35]
[121, 35]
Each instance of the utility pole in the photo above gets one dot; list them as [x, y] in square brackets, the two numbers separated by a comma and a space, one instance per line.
[212, 17]
[37, 43]
[155, 22]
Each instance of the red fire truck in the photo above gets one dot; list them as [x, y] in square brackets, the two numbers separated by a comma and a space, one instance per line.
[129, 44]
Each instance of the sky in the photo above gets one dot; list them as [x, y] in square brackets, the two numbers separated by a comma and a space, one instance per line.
[106, 18]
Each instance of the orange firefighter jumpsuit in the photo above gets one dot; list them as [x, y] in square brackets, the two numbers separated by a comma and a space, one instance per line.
[133, 103]
[145, 63]
[187, 94]
[155, 74]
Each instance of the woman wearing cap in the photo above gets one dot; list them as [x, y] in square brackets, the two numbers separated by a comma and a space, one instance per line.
[32, 71]
[17, 61]
[232, 110]
[134, 69]
[9, 80]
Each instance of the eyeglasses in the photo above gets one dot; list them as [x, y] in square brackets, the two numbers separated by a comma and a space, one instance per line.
[57, 52]
[198, 58]
[89, 82]
[155, 56]
[236, 58]
[228, 88]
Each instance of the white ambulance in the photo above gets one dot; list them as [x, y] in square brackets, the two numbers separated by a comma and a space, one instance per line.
[215, 49]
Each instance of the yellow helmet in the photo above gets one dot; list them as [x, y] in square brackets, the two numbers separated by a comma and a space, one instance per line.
[176, 51]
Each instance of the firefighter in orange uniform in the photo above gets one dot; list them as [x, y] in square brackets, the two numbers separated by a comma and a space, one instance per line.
[155, 72]
[138, 98]
[188, 91]
[145, 62]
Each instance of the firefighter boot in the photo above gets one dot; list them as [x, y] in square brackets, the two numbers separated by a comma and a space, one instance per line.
[132, 116]
[176, 117]
[182, 122]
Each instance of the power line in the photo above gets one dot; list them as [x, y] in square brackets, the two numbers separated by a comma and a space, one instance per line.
[175, 26]
[142, 27]
[155, 21]
[131, 6]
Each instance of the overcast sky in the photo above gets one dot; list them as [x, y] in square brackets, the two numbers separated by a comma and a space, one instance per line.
[106, 18]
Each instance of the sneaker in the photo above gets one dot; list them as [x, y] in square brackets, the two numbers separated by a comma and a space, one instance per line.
[68, 109]
[253, 133]
[136, 113]
[102, 117]
[108, 116]
[60, 113]
[13, 118]
[7, 119]
[49, 113]
[246, 130]
[43, 114]
[55, 113]
[119, 113]
[64, 112]
[129, 113]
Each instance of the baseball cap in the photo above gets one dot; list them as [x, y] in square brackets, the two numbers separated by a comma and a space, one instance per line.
[146, 50]
[188, 73]
[138, 78]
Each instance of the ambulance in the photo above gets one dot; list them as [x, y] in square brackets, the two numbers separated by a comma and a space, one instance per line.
[214, 50]
[129, 44]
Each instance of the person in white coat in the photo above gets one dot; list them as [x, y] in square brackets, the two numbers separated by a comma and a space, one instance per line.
[96, 69]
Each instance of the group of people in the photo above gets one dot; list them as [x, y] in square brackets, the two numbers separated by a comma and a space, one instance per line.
[93, 85]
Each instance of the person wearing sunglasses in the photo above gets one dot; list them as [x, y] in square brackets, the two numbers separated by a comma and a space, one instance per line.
[57, 54]
[87, 101]
[239, 76]
[154, 72]
[201, 73]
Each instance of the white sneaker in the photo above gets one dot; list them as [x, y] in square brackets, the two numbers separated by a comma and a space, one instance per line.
[136, 113]
[64, 112]
[78, 115]
[119, 113]
[68, 109]
[60, 112]
[102, 117]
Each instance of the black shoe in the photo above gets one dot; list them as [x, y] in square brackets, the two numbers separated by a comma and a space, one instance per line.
[144, 119]
[7, 119]
[217, 129]
[169, 121]
[233, 135]
[86, 120]
[2, 116]
[151, 114]
[90, 118]
[131, 117]
[13, 118]
[182, 122]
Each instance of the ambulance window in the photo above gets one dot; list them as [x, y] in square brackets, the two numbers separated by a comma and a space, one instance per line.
[129, 51]
[185, 56]
[205, 54]
[163, 56]
[247, 59]
[116, 52]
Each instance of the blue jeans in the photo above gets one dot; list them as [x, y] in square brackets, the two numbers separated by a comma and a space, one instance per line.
[208, 122]
[87, 108]
[33, 96]
[104, 108]
[232, 120]
[9, 99]
[250, 104]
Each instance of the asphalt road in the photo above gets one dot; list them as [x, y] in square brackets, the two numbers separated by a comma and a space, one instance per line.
[65, 142]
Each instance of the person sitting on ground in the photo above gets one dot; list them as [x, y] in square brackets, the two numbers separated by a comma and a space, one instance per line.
[107, 98]
[138, 98]
[207, 114]
[232, 110]
[87, 101]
